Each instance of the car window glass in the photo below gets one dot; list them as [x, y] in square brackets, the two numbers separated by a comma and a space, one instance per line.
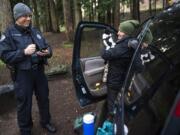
[139, 82]
[166, 31]
[91, 42]
[155, 67]
[168, 36]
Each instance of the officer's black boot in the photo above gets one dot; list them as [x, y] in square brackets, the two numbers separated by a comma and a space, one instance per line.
[50, 128]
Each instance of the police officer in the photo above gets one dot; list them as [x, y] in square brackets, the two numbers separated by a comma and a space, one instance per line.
[24, 48]
[119, 59]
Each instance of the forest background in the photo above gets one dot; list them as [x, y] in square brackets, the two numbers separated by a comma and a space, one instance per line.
[57, 19]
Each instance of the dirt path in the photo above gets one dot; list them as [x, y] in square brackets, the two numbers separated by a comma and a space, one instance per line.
[63, 105]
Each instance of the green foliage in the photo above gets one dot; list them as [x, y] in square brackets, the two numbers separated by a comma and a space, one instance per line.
[86, 5]
[67, 44]
[59, 10]
[104, 5]
[62, 28]
[59, 69]
[100, 7]
[2, 64]
[13, 2]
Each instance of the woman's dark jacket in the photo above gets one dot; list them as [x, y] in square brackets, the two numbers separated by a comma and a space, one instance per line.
[119, 59]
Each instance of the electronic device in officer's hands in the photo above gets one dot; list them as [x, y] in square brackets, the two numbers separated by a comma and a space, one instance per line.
[43, 49]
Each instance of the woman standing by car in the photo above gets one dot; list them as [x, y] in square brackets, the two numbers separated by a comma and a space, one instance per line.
[119, 59]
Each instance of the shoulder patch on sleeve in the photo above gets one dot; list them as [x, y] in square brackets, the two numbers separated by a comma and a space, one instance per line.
[2, 37]
[38, 36]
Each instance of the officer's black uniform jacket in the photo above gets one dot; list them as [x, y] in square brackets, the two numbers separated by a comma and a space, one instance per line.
[16, 40]
[119, 59]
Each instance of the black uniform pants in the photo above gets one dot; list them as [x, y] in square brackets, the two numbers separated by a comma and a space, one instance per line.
[111, 97]
[26, 82]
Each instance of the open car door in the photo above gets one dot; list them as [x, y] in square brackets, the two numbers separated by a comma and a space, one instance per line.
[87, 64]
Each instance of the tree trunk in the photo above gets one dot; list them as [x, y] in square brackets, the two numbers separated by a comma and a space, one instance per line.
[59, 11]
[95, 10]
[44, 19]
[131, 6]
[154, 6]
[47, 17]
[27, 2]
[78, 13]
[54, 21]
[102, 17]
[136, 13]
[36, 22]
[165, 3]
[68, 20]
[150, 7]
[92, 10]
[5, 15]
[116, 13]
[108, 16]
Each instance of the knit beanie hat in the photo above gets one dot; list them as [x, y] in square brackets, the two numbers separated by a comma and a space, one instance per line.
[21, 9]
[129, 26]
[148, 38]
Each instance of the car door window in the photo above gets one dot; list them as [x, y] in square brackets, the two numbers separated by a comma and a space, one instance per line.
[154, 70]
[91, 42]
[87, 64]
[166, 31]
[159, 58]
[91, 62]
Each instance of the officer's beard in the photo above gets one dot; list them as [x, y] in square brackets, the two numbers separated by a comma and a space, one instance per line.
[26, 29]
[27, 26]
[24, 26]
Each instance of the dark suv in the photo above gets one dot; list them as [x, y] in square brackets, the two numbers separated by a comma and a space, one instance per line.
[156, 89]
